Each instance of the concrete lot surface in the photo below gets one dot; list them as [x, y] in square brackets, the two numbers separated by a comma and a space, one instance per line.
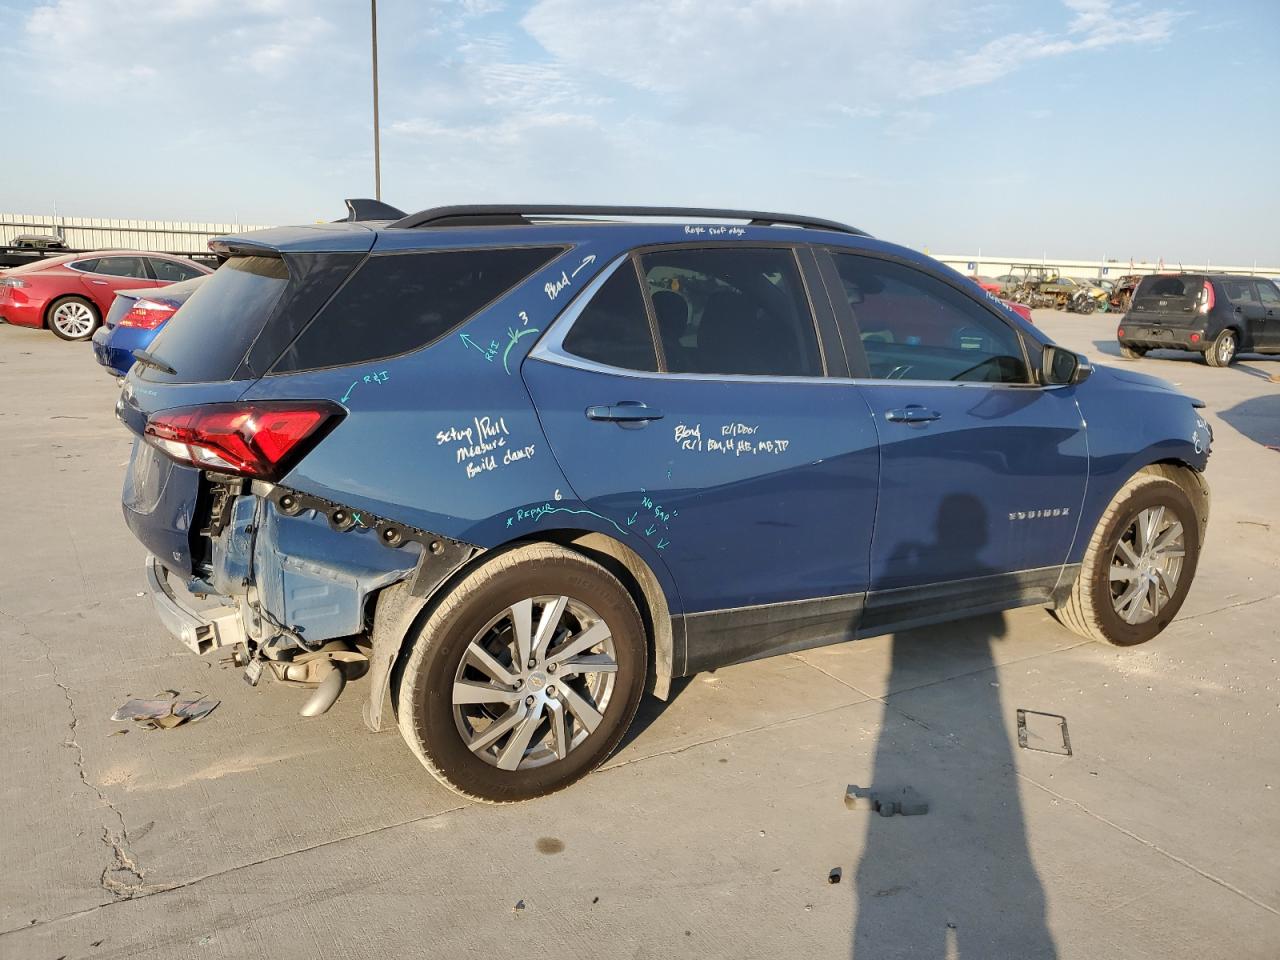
[256, 833]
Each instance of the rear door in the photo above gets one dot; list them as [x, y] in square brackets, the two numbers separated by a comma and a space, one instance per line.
[686, 397]
[1268, 335]
[982, 473]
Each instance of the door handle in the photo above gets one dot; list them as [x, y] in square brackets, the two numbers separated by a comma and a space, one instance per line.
[101, 283]
[912, 413]
[625, 413]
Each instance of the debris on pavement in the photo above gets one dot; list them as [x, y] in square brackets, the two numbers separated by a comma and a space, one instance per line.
[165, 711]
[519, 906]
[835, 875]
[898, 800]
[1043, 732]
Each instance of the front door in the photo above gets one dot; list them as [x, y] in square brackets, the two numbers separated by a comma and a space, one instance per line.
[982, 473]
[685, 396]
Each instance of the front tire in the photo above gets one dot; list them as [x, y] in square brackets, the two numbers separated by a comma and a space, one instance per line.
[1138, 566]
[1223, 351]
[525, 677]
[73, 318]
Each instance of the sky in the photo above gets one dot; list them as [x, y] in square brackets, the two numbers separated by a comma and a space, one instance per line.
[1068, 128]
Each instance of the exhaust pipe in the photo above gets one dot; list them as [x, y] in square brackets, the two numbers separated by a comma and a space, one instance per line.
[327, 669]
[327, 693]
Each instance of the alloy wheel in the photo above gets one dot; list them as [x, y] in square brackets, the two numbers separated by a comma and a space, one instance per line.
[1226, 349]
[72, 319]
[1146, 564]
[534, 683]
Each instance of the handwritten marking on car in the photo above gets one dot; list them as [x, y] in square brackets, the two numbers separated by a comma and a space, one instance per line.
[553, 288]
[730, 441]
[380, 377]
[513, 337]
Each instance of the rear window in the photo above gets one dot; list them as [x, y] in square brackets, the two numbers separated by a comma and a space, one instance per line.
[1167, 287]
[209, 336]
[400, 302]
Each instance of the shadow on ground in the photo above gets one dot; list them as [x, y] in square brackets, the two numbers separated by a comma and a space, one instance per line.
[1112, 349]
[1258, 418]
[971, 889]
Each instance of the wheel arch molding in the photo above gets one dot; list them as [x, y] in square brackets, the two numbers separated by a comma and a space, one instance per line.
[402, 607]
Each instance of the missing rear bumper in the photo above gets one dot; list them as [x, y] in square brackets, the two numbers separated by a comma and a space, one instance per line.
[201, 629]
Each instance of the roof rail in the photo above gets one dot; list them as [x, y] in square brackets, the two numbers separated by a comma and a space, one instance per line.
[514, 214]
[365, 209]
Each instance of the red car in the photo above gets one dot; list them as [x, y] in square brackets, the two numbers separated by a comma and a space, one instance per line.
[1021, 309]
[71, 294]
[987, 284]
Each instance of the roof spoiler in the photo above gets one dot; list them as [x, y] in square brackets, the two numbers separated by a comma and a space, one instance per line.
[516, 214]
[366, 209]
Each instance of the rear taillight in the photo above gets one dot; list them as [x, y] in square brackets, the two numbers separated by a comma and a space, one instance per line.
[1120, 332]
[148, 314]
[1206, 297]
[12, 282]
[261, 440]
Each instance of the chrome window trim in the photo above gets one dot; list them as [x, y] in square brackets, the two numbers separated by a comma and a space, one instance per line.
[550, 347]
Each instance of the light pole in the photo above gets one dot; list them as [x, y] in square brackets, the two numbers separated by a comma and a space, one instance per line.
[377, 149]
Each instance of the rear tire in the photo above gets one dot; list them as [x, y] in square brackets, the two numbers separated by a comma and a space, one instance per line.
[1222, 353]
[1132, 353]
[73, 318]
[548, 730]
[1106, 606]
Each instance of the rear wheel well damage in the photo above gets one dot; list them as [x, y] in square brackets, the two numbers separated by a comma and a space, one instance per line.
[401, 608]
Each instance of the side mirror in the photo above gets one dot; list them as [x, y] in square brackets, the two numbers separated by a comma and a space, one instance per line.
[1060, 367]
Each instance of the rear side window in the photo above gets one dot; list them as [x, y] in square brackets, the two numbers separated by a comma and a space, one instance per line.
[88, 266]
[171, 270]
[400, 302]
[732, 311]
[613, 329]
[209, 336]
[1239, 291]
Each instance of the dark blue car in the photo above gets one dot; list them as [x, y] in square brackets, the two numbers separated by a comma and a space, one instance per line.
[133, 321]
[522, 464]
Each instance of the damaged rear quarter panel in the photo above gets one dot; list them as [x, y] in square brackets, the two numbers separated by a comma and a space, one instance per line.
[446, 438]
[307, 575]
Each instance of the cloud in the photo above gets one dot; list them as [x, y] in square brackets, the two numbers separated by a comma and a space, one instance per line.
[742, 55]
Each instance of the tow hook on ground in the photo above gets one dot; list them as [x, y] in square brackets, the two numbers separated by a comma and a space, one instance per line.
[899, 800]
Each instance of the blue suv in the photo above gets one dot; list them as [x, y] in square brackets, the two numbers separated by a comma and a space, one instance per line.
[520, 464]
